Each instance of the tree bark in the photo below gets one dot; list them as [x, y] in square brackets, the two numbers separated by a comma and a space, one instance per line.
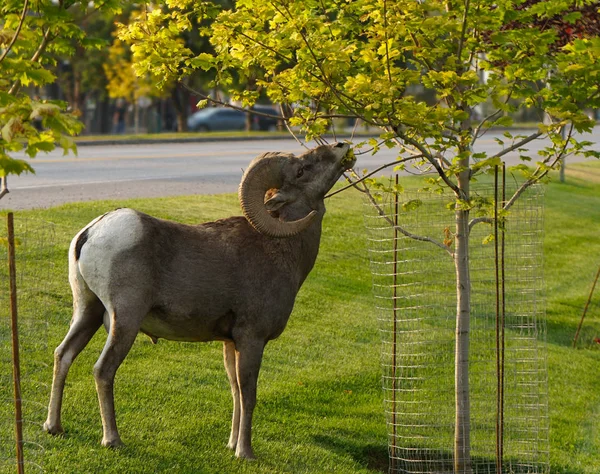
[462, 433]
[180, 102]
[250, 119]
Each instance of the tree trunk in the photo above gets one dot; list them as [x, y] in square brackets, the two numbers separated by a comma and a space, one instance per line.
[251, 119]
[249, 122]
[78, 103]
[180, 102]
[462, 433]
[136, 117]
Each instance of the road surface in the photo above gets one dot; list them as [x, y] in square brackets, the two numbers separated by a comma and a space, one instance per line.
[166, 169]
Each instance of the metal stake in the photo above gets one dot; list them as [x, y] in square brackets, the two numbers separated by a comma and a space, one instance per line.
[15, 344]
[499, 246]
[395, 327]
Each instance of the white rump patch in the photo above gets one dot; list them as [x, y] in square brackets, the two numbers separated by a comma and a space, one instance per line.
[109, 239]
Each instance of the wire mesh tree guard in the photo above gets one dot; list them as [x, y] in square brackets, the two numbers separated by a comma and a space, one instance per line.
[22, 379]
[414, 286]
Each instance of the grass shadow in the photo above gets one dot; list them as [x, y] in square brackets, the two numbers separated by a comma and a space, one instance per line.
[372, 456]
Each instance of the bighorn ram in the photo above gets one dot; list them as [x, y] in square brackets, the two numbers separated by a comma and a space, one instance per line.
[233, 280]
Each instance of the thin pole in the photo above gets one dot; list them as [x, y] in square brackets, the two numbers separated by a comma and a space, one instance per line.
[502, 315]
[15, 344]
[497, 278]
[587, 304]
[394, 328]
[499, 265]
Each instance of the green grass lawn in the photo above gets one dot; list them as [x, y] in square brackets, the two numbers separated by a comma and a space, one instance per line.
[320, 406]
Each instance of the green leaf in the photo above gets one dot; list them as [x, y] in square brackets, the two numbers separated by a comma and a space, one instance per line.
[488, 239]
[13, 166]
[487, 163]
[203, 61]
[505, 121]
[67, 144]
[13, 124]
[411, 205]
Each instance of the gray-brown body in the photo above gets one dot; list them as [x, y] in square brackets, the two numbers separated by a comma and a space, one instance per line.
[233, 280]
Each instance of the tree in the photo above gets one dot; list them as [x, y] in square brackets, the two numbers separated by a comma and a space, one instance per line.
[163, 35]
[34, 34]
[78, 72]
[367, 58]
[123, 84]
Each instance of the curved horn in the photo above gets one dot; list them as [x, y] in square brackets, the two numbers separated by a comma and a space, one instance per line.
[264, 173]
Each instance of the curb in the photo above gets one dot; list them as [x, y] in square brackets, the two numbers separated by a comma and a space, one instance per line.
[155, 141]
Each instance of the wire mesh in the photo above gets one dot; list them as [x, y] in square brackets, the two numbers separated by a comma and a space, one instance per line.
[414, 286]
[35, 242]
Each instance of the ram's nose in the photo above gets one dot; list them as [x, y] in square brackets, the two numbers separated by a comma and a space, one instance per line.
[340, 149]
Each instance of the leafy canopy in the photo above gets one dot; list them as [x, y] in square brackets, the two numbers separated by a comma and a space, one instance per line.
[35, 35]
[433, 76]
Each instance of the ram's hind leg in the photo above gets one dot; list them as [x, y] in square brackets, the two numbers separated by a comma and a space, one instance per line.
[124, 326]
[229, 361]
[87, 318]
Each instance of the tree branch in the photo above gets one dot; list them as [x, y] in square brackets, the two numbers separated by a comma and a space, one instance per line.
[41, 47]
[535, 177]
[17, 31]
[403, 231]
[225, 104]
[387, 165]
[529, 182]
[267, 47]
[4, 187]
[317, 63]
[476, 135]
[478, 220]
[289, 129]
[35, 58]
[400, 144]
[525, 141]
[429, 157]
[323, 78]
[387, 54]
[250, 111]
[461, 40]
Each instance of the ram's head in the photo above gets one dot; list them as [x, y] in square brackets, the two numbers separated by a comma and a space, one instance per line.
[281, 193]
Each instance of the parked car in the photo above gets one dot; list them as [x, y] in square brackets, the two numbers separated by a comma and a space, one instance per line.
[223, 118]
[217, 118]
[267, 123]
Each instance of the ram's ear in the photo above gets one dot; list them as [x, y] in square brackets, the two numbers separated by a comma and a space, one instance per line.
[276, 201]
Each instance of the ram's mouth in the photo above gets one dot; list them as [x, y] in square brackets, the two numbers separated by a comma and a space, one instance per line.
[349, 159]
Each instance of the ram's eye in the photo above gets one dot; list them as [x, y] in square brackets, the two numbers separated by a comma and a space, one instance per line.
[300, 173]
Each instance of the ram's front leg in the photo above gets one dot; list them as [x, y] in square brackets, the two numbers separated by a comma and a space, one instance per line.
[248, 359]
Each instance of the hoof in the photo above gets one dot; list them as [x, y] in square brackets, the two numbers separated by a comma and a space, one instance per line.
[245, 454]
[53, 430]
[113, 443]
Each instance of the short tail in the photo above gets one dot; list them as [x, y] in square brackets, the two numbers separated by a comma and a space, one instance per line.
[81, 238]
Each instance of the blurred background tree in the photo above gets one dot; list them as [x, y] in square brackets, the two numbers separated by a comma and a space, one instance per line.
[36, 39]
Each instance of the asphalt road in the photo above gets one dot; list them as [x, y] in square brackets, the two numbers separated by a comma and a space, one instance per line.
[166, 169]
